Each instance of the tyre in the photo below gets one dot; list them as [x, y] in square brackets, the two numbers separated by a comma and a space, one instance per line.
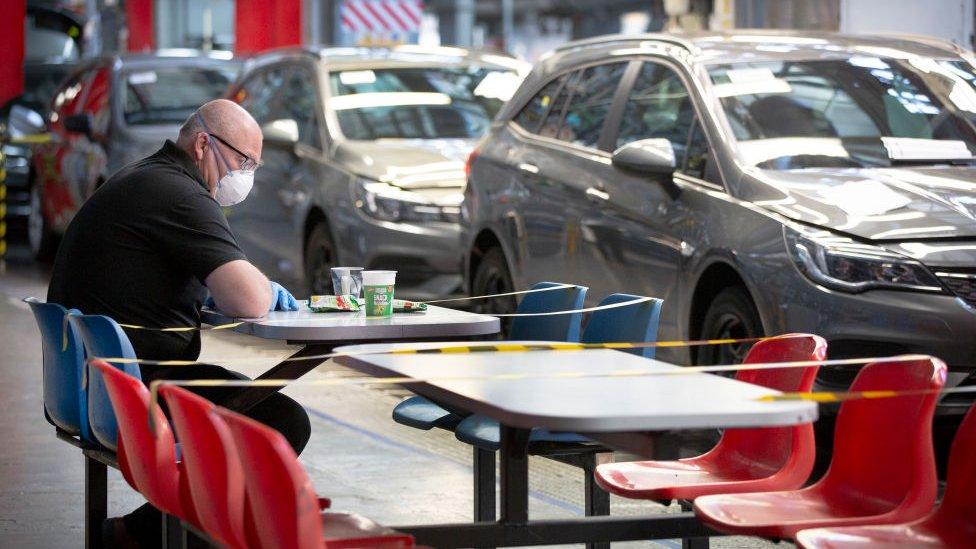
[42, 240]
[731, 315]
[320, 257]
[492, 277]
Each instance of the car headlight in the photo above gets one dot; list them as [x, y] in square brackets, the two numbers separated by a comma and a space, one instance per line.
[841, 263]
[391, 203]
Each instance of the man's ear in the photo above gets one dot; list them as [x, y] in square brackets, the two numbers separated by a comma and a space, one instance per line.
[200, 146]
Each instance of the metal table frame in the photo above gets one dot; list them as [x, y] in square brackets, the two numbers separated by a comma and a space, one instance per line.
[515, 529]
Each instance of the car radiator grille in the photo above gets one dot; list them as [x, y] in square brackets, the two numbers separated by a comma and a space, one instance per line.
[963, 284]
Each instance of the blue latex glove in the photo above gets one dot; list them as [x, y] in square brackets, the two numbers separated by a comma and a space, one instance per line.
[281, 299]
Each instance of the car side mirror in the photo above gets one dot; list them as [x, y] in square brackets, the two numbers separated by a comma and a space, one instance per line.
[281, 134]
[79, 123]
[646, 156]
[25, 121]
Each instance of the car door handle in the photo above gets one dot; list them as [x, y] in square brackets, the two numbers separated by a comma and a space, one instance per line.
[594, 193]
[529, 168]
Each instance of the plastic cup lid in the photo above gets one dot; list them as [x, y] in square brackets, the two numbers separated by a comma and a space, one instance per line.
[375, 278]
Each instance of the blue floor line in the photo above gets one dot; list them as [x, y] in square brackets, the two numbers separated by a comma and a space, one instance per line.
[383, 439]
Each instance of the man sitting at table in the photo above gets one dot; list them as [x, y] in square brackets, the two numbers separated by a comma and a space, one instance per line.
[146, 247]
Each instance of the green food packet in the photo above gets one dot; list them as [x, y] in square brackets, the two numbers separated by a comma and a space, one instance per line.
[404, 306]
[333, 303]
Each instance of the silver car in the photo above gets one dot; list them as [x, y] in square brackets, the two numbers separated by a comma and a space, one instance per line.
[110, 112]
[364, 159]
[760, 183]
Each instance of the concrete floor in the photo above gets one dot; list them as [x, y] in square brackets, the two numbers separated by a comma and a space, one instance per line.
[357, 456]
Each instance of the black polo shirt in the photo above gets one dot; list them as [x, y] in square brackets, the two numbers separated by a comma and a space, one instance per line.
[140, 249]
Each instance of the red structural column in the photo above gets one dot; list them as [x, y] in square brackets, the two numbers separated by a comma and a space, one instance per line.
[139, 22]
[12, 50]
[264, 24]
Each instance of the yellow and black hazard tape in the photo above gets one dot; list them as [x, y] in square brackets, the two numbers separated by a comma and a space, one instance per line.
[33, 139]
[844, 396]
[819, 397]
[228, 326]
[505, 294]
[236, 323]
[459, 348]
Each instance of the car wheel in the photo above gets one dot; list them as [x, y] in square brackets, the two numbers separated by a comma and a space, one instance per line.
[731, 315]
[319, 260]
[492, 277]
[42, 240]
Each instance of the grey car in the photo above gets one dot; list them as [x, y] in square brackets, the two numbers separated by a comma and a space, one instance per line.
[759, 183]
[110, 112]
[364, 153]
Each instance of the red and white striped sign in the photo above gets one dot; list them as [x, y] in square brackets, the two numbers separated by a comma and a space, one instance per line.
[382, 16]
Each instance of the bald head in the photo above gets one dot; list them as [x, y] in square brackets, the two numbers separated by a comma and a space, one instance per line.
[231, 123]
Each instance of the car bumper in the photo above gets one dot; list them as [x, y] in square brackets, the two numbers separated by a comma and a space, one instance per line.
[425, 256]
[883, 323]
[17, 166]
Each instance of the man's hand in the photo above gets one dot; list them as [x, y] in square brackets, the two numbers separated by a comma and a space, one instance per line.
[281, 299]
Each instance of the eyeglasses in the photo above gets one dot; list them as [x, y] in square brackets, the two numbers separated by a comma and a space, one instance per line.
[248, 164]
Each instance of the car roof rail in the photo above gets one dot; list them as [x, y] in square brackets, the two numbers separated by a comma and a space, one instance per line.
[932, 41]
[630, 38]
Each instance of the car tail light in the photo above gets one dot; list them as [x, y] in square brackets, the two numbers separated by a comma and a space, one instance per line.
[467, 165]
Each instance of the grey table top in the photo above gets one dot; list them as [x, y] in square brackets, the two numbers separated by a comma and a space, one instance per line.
[305, 325]
[589, 404]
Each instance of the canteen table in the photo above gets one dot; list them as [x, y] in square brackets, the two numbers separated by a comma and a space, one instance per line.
[621, 412]
[319, 333]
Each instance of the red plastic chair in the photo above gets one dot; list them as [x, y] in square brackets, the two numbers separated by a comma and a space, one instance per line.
[882, 471]
[213, 469]
[147, 459]
[952, 524]
[285, 510]
[744, 460]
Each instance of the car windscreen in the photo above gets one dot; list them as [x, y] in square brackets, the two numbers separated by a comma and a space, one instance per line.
[419, 102]
[168, 95]
[855, 112]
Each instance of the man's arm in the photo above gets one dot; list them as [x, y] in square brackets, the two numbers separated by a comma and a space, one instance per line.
[240, 290]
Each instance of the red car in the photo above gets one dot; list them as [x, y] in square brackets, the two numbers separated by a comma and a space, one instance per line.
[109, 113]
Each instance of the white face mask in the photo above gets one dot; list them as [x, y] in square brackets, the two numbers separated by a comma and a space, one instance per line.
[235, 185]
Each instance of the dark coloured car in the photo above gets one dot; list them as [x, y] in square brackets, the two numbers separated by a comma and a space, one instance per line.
[53, 47]
[110, 112]
[760, 183]
[364, 155]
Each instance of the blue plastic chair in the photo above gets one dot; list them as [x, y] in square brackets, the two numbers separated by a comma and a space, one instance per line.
[421, 413]
[103, 337]
[631, 323]
[65, 399]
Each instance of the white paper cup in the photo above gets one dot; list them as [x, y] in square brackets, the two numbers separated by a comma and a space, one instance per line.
[378, 292]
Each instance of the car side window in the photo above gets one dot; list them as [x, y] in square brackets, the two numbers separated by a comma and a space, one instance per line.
[69, 97]
[592, 96]
[698, 161]
[97, 101]
[261, 94]
[300, 104]
[535, 110]
[551, 125]
[658, 106]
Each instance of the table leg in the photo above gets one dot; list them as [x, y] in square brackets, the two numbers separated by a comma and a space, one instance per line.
[692, 543]
[484, 485]
[96, 501]
[597, 501]
[514, 474]
[247, 398]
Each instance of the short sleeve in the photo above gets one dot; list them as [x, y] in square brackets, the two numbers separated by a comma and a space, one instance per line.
[194, 233]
